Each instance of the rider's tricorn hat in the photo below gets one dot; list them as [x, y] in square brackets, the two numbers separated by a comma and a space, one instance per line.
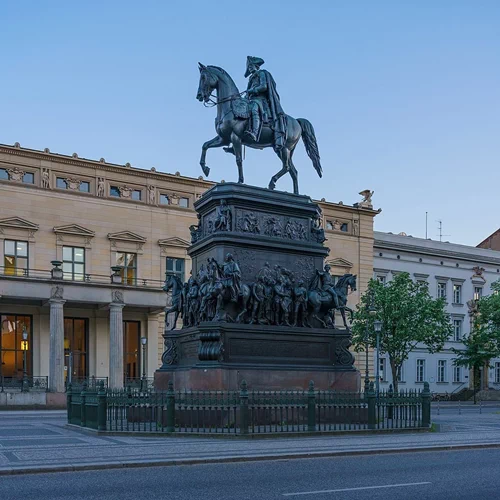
[255, 61]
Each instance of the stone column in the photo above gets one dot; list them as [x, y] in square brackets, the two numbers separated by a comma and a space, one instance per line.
[116, 345]
[56, 357]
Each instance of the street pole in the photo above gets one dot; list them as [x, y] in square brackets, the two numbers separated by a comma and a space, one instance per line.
[367, 376]
[25, 349]
[144, 341]
[378, 362]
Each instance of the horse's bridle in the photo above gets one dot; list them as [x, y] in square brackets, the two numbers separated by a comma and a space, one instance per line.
[219, 101]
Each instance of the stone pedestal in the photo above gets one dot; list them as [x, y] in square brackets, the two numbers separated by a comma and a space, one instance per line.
[56, 362]
[274, 239]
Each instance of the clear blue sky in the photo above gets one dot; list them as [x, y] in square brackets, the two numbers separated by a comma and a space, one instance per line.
[404, 96]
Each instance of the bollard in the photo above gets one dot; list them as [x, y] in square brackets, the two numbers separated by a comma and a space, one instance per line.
[311, 408]
[438, 408]
[425, 396]
[459, 408]
[170, 427]
[244, 424]
[69, 396]
[480, 407]
[372, 417]
[83, 409]
[102, 407]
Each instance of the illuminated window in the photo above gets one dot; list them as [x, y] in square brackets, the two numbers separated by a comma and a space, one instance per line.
[15, 258]
[128, 264]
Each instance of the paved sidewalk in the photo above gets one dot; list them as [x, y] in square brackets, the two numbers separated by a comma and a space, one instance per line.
[40, 442]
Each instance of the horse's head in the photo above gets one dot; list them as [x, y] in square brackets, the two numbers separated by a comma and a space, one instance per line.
[170, 281]
[352, 282]
[208, 82]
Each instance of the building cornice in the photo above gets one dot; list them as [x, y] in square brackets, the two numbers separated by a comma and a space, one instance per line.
[405, 247]
[104, 166]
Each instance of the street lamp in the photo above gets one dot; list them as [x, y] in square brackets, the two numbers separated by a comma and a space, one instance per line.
[377, 326]
[371, 312]
[24, 348]
[144, 341]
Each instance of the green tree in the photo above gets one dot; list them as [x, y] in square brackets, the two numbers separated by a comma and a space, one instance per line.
[483, 343]
[409, 316]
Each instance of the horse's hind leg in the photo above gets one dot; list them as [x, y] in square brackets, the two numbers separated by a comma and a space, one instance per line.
[293, 173]
[235, 139]
[284, 156]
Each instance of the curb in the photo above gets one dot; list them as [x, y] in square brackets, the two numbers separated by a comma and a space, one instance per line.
[208, 461]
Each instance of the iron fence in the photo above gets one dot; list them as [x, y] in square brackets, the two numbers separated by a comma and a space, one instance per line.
[24, 384]
[246, 412]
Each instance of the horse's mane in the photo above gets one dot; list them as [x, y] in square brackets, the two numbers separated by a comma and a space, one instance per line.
[223, 71]
[342, 280]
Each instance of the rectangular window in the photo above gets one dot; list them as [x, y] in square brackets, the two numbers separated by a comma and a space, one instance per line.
[164, 199]
[420, 370]
[61, 183]
[176, 267]
[184, 202]
[136, 195]
[84, 187]
[381, 278]
[329, 225]
[457, 373]
[15, 258]
[344, 227]
[4, 175]
[114, 191]
[74, 263]
[441, 370]
[441, 290]
[128, 264]
[497, 372]
[11, 346]
[478, 292]
[457, 294]
[401, 373]
[457, 330]
[382, 373]
[29, 178]
[131, 350]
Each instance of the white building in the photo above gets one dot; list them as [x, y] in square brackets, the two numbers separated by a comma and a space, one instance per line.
[457, 272]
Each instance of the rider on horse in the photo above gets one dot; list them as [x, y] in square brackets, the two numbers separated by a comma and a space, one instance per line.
[324, 281]
[264, 102]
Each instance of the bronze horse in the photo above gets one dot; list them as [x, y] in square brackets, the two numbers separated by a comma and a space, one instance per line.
[318, 301]
[173, 282]
[231, 130]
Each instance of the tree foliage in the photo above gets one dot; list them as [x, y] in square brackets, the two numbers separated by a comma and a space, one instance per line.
[483, 343]
[409, 316]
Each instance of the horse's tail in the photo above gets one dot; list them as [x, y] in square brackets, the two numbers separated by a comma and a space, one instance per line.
[309, 138]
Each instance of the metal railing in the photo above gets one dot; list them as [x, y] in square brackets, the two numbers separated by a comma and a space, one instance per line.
[43, 274]
[24, 384]
[247, 412]
[93, 383]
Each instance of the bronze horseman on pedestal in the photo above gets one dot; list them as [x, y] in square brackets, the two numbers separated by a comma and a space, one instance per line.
[257, 121]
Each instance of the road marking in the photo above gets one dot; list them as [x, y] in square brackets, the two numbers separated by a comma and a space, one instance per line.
[355, 489]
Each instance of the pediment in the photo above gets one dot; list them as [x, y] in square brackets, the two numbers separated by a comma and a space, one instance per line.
[174, 242]
[127, 236]
[74, 229]
[339, 262]
[18, 223]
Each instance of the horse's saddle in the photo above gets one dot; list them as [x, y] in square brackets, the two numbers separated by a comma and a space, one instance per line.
[241, 108]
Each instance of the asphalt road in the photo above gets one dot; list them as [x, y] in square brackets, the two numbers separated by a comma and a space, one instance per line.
[438, 475]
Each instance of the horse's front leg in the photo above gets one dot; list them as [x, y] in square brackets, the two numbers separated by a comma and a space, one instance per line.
[216, 142]
[236, 141]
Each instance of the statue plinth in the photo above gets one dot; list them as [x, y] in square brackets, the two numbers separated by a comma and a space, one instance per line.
[251, 315]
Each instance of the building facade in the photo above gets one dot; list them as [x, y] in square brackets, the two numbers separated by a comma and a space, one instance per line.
[84, 249]
[458, 273]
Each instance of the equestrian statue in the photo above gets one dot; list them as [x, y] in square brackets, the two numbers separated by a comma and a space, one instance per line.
[256, 120]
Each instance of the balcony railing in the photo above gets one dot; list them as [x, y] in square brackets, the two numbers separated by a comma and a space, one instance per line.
[26, 384]
[44, 274]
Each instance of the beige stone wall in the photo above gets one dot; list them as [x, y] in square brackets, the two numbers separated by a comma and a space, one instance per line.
[153, 231]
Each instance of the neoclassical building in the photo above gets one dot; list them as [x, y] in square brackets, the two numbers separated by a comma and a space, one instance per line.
[84, 249]
[458, 273]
